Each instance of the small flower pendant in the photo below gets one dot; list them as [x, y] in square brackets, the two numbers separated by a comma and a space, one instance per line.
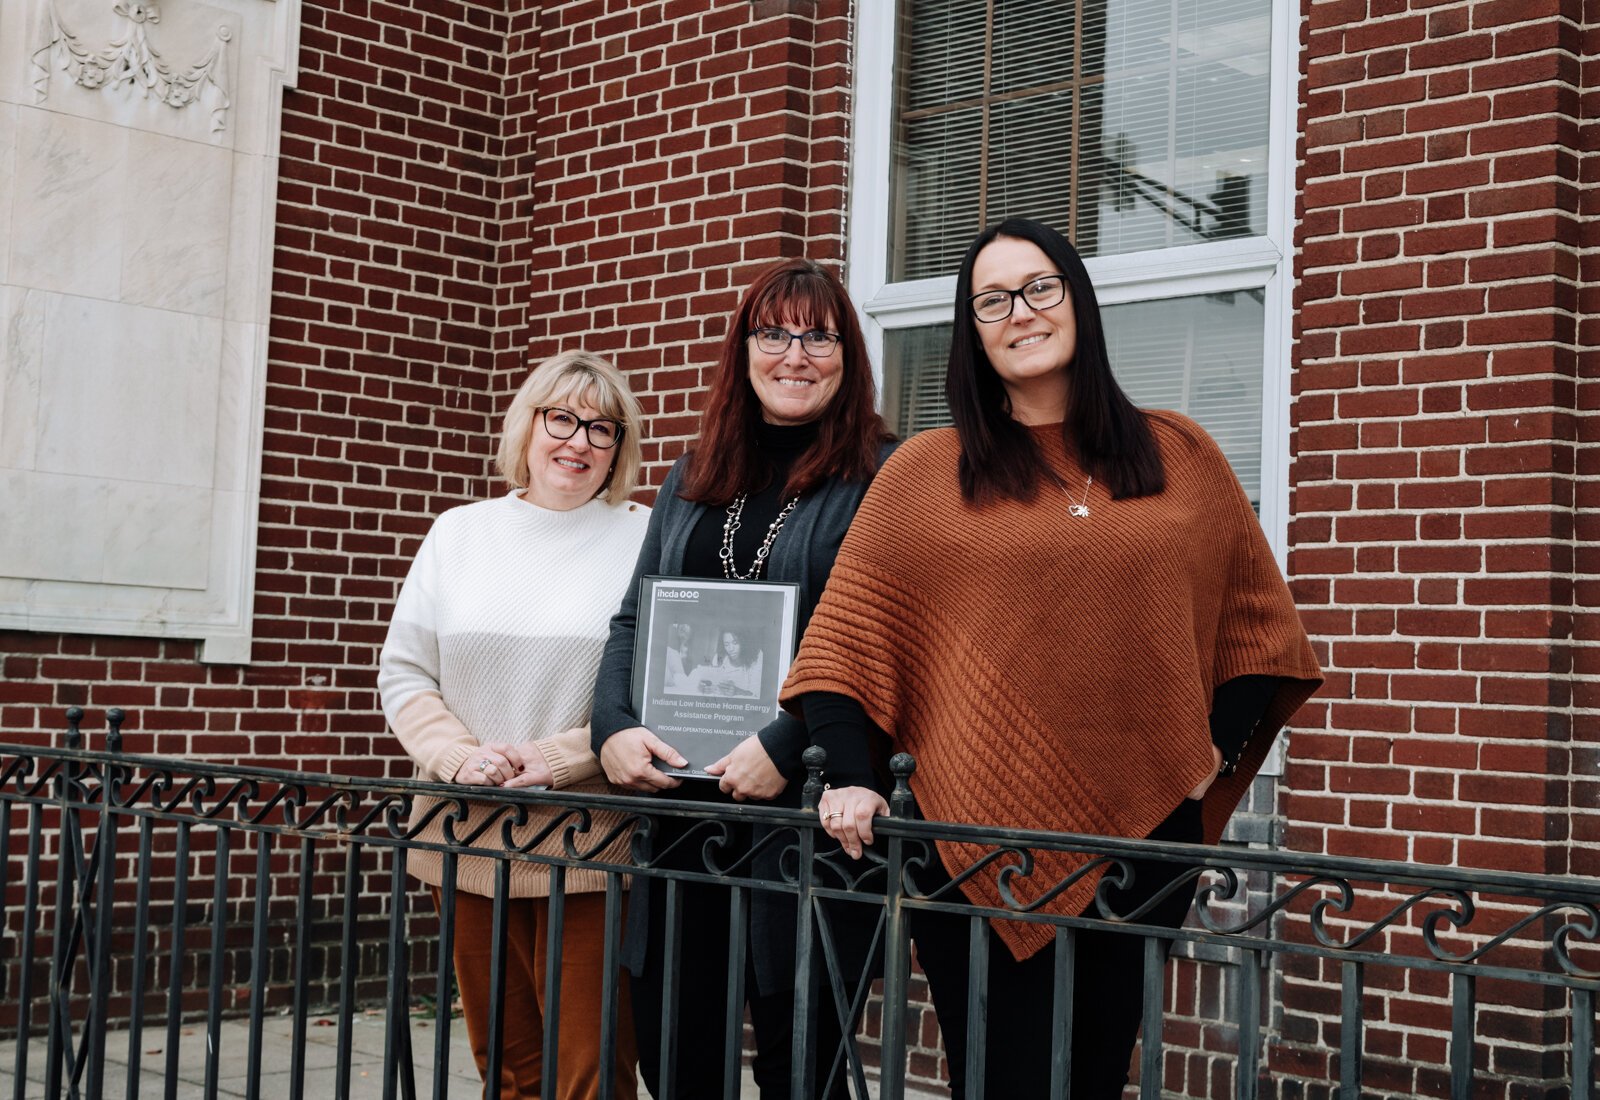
[1079, 511]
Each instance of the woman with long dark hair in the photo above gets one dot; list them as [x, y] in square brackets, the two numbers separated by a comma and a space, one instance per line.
[789, 440]
[1065, 609]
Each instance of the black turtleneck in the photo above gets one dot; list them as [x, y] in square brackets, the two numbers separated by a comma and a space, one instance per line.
[781, 446]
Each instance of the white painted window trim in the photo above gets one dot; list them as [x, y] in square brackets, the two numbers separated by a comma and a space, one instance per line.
[1244, 264]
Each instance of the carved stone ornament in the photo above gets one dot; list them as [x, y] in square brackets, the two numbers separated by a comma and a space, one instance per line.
[132, 60]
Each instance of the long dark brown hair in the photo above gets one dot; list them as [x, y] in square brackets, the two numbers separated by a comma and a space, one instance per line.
[1103, 428]
[725, 460]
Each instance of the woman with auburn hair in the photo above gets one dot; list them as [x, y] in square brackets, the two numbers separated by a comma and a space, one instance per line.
[486, 678]
[1065, 609]
[789, 440]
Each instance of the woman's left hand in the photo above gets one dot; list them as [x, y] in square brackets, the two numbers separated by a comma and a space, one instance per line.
[847, 814]
[748, 772]
[1216, 770]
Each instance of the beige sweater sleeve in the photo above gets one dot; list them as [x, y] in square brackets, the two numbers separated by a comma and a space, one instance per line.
[569, 756]
[433, 737]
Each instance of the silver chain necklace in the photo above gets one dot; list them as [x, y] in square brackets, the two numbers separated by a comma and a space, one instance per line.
[1079, 510]
[731, 525]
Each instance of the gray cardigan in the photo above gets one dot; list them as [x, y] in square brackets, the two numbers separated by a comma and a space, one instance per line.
[810, 538]
[803, 553]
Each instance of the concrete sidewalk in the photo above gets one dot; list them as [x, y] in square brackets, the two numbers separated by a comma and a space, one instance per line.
[366, 1062]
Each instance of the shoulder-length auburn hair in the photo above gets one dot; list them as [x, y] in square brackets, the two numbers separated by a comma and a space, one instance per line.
[725, 461]
[1103, 428]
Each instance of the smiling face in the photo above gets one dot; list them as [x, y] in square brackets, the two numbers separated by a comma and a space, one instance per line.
[795, 387]
[1032, 349]
[565, 473]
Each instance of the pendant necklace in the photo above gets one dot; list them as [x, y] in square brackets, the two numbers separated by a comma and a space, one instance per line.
[1079, 510]
[731, 525]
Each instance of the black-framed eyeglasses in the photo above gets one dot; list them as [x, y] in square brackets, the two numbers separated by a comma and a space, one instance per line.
[775, 341]
[603, 432]
[1040, 293]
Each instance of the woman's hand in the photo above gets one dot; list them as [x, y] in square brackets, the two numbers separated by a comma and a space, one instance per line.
[1216, 770]
[534, 769]
[748, 772]
[628, 757]
[847, 815]
[489, 765]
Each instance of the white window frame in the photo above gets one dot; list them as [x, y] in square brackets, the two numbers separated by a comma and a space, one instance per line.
[1247, 263]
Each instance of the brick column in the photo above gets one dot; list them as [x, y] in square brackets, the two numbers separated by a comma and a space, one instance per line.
[1434, 480]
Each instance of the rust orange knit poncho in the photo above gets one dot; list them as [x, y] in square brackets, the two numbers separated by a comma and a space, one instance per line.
[1055, 672]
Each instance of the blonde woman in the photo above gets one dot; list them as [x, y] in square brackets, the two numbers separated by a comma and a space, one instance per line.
[487, 678]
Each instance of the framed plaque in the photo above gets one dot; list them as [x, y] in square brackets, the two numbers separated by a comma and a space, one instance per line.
[708, 659]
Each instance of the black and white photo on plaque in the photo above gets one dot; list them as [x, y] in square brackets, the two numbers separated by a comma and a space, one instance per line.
[709, 657]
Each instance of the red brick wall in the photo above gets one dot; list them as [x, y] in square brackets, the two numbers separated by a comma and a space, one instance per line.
[382, 348]
[1436, 418]
[681, 146]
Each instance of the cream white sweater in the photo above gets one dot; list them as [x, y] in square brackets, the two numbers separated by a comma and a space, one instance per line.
[496, 637]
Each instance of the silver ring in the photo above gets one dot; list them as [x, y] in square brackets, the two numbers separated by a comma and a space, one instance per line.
[483, 765]
[836, 813]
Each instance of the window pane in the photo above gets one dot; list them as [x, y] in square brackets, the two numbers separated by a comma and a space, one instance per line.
[1200, 356]
[913, 378]
[1127, 124]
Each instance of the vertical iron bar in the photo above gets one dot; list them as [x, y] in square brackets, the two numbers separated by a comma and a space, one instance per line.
[1249, 977]
[1154, 1006]
[671, 968]
[105, 853]
[1353, 975]
[67, 843]
[554, 933]
[348, 965]
[300, 996]
[497, 975]
[180, 919]
[259, 971]
[896, 940]
[30, 918]
[444, 990]
[610, 988]
[1582, 1044]
[803, 1060]
[1061, 1023]
[1463, 1009]
[977, 1003]
[219, 950]
[141, 955]
[398, 991]
[732, 1046]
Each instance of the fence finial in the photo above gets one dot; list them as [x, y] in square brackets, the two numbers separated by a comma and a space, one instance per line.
[114, 718]
[903, 765]
[815, 759]
[74, 737]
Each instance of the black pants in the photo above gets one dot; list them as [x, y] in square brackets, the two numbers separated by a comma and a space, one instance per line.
[1108, 993]
[701, 1010]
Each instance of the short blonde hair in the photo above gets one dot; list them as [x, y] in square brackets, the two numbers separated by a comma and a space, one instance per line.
[575, 378]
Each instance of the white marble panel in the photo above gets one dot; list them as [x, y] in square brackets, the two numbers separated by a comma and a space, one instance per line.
[8, 172]
[158, 536]
[250, 238]
[151, 92]
[237, 413]
[22, 315]
[175, 232]
[138, 388]
[68, 238]
[52, 529]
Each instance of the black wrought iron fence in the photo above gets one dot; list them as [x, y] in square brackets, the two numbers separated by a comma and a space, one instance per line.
[151, 892]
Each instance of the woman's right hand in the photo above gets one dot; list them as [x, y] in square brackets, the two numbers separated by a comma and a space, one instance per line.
[628, 757]
[489, 765]
[847, 814]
